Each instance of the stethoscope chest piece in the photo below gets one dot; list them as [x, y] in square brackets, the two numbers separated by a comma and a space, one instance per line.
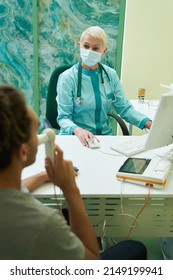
[79, 101]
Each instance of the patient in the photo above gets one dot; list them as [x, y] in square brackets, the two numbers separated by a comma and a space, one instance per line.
[28, 229]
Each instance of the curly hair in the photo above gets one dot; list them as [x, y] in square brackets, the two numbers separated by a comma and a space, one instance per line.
[15, 123]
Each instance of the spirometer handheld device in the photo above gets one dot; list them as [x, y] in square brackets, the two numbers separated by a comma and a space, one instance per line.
[143, 171]
[48, 138]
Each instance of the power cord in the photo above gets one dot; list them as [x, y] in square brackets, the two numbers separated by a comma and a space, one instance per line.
[132, 225]
[58, 199]
[110, 154]
[139, 213]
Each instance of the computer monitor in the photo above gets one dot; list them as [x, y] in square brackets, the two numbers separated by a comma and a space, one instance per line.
[161, 131]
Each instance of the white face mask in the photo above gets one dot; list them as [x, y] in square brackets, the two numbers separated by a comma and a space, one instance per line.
[89, 57]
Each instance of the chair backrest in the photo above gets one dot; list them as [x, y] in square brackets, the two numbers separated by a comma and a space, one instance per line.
[51, 104]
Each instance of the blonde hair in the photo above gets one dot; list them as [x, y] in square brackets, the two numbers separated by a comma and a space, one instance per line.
[96, 32]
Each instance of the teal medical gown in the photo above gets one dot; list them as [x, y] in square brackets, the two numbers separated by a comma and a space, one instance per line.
[96, 101]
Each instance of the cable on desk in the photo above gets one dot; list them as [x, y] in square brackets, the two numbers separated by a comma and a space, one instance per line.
[167, 155]
[110, 154]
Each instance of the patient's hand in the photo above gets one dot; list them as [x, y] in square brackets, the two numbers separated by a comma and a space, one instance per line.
[35, 181]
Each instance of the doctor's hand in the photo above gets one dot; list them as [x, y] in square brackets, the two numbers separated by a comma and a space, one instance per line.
[148, 124]
[83, 135]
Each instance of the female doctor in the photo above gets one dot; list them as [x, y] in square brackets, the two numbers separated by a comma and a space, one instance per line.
[86, 92]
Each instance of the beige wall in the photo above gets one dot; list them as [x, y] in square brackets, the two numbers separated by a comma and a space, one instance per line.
[148, 47]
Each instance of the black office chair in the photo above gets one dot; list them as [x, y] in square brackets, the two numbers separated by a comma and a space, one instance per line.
[51, 104]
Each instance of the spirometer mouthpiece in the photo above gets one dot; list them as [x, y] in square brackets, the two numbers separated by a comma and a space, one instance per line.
[48, 138]
[48, 135]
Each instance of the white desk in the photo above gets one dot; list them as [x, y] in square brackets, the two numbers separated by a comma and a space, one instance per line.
[102, 192]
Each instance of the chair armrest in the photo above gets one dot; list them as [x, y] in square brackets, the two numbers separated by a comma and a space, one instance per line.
[120, 122]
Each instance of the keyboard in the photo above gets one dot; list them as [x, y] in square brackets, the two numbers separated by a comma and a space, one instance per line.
[130, 147]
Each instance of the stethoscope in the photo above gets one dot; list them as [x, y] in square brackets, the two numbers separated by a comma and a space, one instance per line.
[102, 70]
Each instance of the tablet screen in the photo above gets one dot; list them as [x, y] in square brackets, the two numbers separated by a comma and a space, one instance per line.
[135, 165]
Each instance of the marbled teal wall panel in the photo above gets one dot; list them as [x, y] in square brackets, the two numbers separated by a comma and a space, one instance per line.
[60, 23]
[16, 45]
